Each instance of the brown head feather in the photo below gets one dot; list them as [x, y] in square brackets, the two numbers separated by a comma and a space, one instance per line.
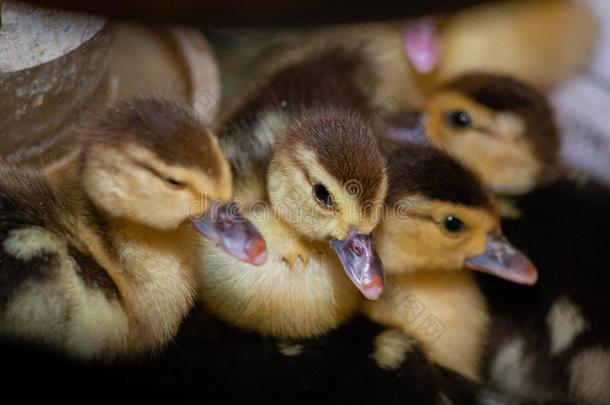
[165, 128]
[345, 145]
[503, 93]
[428, 171]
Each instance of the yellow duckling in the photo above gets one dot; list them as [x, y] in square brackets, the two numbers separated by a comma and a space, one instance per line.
[499, 127]
[311, 176]
[551, 344]
[439, 224]
[105, 263]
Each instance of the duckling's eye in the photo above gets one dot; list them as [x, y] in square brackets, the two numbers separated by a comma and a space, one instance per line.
[459, 119]
[173, 183]
[322, 195]
[453, 224]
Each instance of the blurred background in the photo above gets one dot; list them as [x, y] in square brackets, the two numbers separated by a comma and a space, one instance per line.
[62, 59]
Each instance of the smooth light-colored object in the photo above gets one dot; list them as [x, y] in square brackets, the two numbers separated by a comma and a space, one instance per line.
[52, 68]
[32, 35]
[176, 63]
[583, 107]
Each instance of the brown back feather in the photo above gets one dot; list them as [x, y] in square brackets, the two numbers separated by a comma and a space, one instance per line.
[324, 79]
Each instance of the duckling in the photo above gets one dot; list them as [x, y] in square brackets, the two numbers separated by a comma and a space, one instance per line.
[499, 127]
[551, 344]
[542, 43]
[441, 224]
[309, 174]
[104, 263]
[307, 359]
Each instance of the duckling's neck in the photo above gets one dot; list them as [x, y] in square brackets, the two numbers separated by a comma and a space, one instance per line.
[445, 310]
[155, 270]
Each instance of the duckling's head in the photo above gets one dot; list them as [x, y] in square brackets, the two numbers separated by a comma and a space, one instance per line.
[151, 162]
[328, 181]
[440, 218]
[497, 126]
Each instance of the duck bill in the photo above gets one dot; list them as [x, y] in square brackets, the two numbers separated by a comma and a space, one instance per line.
[232, 232]
[502, 260]
[408, 127]
[361, 263]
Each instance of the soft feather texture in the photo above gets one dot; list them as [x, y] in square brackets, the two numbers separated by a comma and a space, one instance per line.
[321, 80]
[168, 129]
[422, 169]
[429, 294]
[210, 361]
[503, 93]
[306, 124]
[100, 261]
[549, 340]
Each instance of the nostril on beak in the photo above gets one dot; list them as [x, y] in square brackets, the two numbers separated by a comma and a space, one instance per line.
[357, 248]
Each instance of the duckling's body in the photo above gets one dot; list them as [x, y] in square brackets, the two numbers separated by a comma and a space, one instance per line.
[446, 312]
[295, 144]
[281, 298]
[93, 287]
[104, 263]
[553, 342]
[64, 288]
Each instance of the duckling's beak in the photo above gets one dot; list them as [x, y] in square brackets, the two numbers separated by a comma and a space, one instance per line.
[408, 126]
[361, 263]
[503, 260]
[225, 226]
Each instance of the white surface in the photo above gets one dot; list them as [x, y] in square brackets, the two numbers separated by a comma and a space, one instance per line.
[583, 107]
[31, 35]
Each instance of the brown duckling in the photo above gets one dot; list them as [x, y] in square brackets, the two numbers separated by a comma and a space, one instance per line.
[310, 175]
[105, 263]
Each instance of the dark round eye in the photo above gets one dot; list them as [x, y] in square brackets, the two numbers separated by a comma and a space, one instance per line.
[322, 195]
[459, 119]
[177, 184]
[453, 224]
